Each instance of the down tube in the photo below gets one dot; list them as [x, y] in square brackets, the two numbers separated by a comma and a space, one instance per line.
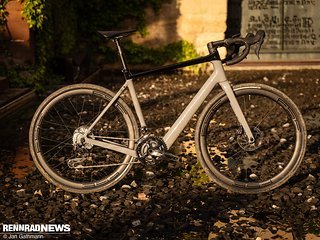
[217, 76]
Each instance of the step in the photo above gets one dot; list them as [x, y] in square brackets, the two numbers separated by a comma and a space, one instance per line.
[13, 99]
[3, 83]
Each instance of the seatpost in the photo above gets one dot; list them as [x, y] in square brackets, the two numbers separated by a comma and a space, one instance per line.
[125, 70]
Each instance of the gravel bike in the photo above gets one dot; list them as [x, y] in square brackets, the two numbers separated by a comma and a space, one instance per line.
[249, 138]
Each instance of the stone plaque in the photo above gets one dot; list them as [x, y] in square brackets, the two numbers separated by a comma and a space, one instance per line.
[291, 25]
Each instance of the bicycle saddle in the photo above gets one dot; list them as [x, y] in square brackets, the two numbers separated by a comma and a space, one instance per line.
[116, 34]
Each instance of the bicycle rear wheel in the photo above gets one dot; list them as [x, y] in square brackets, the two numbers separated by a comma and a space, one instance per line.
[280, 140]
[57, 129]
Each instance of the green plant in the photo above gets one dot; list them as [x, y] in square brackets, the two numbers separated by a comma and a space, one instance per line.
[30, 76]
[63, 28]
[34, 12]
[198, 175]
[173, 52]
[3, 14]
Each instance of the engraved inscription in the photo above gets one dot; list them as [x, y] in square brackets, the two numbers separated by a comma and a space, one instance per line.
[290, 25]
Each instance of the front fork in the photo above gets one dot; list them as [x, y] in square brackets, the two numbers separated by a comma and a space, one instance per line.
[237, 110]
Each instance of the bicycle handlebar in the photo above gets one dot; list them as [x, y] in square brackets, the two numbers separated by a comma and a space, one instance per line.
[235, 43]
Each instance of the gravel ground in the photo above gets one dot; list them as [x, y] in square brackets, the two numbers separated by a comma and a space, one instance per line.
[174, 199]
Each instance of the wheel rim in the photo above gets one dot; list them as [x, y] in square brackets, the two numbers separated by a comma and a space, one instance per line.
[267, 161]
[55, 143]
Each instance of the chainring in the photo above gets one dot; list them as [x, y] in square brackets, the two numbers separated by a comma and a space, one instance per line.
[150, 149]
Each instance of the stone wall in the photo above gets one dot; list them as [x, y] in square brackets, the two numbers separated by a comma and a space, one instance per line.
[197, 21]
[291, 26]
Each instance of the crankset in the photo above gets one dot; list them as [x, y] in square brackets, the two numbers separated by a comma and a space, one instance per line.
[150, 149]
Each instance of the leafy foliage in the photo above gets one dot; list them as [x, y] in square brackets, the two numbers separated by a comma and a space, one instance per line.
[64, 28]
[3, 14]
[34, 13]
[173, 52]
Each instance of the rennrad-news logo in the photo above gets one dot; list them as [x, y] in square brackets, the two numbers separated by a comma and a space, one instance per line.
[32, 231]
[36, 228]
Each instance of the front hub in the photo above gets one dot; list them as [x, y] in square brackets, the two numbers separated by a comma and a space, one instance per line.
[244, 143]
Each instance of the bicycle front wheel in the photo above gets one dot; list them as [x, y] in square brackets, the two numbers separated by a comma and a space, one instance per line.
[280, 140]
[56, 138]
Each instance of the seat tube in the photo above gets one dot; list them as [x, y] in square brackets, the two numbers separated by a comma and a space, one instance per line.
[136, 103]
[237, 110]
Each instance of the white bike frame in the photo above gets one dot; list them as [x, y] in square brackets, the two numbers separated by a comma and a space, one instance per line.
[218, 76]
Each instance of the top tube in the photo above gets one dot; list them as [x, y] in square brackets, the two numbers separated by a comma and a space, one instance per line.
[211, 57]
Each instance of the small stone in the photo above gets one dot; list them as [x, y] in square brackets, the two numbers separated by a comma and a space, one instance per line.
[101, 198]
[313, 208]
[150, 174]
[134, 184]
[313, 200]
[94, 206]
[277, 197]
[296, 190]
[283, 140]
[87, 230]
[142, 196]
[7, 179]
[286, 125]
[21, 192]
[166, 128]
[313, 166]
[76, 232]
[38, 192]
[309, 160]
[127, 203]
[136, 223]
[197, 223]
[273, 230]
[150, 224]
[171, 165]
[242, 212]
[310, 178]
[74, 203]
[125, 187]
[159, 183]
[66, 197]
[253, 176]
[102, 207]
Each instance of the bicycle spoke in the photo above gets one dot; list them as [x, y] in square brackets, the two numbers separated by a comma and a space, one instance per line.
[65, 121]
[81, 112]
[257, 166]
[60, 143]
[62, 121]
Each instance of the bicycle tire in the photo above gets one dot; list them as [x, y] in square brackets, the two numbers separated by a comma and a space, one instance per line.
[56, 128]
[279, 147]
